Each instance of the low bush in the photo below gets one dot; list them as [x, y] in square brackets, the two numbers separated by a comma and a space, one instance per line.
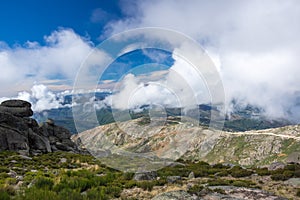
[238, 172]
[195, 189]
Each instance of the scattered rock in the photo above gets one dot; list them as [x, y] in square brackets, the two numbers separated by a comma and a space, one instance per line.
[63, 160]
[20, 178]
[173, 179]
[20, 133]
[174, 195]
[142, 176]
[238, 193]
[293, 182]
[276, 165]
[50, 121]
[12, 174]
[25, 157]
[293, 158]
[191, 175]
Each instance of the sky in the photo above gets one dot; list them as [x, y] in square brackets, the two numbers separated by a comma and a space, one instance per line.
[255, 45]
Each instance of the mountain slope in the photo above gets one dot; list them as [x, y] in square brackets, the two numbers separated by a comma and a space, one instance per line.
[176, 139]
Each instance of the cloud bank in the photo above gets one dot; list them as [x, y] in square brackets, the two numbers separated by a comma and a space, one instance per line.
[59, 59]
[42, 98]
[255, 45]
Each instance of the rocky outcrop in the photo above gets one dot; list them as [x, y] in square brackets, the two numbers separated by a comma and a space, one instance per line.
[213, 193]
[19, 132]
[189, 142]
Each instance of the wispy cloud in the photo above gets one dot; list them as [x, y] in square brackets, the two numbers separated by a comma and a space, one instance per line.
[59, 59]
[254, 43]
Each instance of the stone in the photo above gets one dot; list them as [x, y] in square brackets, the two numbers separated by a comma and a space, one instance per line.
[63, 160]
[17, 111]
[19, 132]
[16, 103]
[276, 165]
[25, 157]
[295, 182]
[50, 121]
[293, 158]
[191, 175]
[175, 195]
[13, 140]
[20, 178]
[173, 179]
[142, 176]
[12, 174]
[38, 142]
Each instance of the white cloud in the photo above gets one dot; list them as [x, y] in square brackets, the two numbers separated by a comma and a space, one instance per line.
[60, 58]
[180, 87]
[256, 44]
[41, 98]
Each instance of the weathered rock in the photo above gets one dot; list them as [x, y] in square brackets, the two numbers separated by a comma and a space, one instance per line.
[295, 182]
[17, 111]
[293, 158]
[13, 140]
[238, 193]
[16, 103]
[191, 175]
[20, 133]
[175, 195]
[173, 179]
[276, 165]
[38, 142]
[50, 121]
[141, 176]
[12, 122]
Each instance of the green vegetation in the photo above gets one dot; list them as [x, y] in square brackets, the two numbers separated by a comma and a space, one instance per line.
[64, 175]
[298, 192]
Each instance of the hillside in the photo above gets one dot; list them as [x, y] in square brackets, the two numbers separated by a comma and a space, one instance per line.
[178, 139]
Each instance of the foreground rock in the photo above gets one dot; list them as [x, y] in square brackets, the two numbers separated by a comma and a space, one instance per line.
[228, 192]
[19, 132]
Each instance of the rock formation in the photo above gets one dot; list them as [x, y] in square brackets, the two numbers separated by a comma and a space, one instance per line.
[19, 132]
[258, 147]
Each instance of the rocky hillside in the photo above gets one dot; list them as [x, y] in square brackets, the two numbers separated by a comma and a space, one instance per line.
[19, 132]
[178, 139]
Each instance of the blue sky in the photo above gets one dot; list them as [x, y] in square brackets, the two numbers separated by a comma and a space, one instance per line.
[252, 43]
[31, 20]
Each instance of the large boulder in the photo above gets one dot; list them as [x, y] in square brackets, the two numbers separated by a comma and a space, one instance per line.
[19, 132]
[142, 176]
[17, 108]
[16, 103]
[13, 140]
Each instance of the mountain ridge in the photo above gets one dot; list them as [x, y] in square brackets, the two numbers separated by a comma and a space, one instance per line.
[260, 147]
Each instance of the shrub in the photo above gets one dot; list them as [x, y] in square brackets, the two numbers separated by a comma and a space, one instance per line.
[44, 183]
[97, 193]
[217, 182]
[279, 177]
[238, 172]
[67, 193]
[35, 193]
[297, 173]
[3, 175]
[4, 195]
[146, 185]
[4, 169]
[223, 173]
[195, 189]
[7, 190]
[263, 171]
[298, 193]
